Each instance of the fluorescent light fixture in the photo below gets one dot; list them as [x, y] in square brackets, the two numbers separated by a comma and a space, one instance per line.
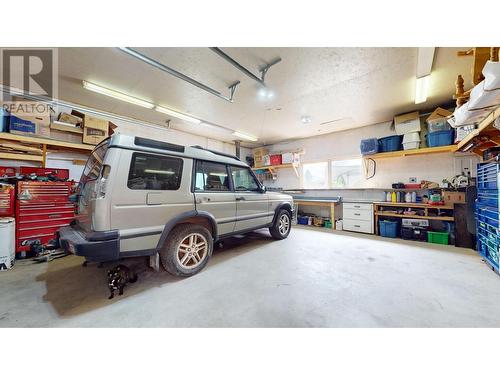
[245, 136]
[178, 115]
[422, 88]
[117, 95]
[158, 171]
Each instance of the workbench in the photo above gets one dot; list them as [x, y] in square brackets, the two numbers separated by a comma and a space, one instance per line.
[320, 202]
[426, 207]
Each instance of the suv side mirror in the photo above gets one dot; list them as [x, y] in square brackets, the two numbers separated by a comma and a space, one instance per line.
[263, 189]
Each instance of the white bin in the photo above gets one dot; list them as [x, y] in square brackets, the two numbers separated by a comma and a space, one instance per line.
[411, 141]
[7, 241]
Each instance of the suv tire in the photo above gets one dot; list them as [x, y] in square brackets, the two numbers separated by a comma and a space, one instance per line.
[282, 225]
[187, 250]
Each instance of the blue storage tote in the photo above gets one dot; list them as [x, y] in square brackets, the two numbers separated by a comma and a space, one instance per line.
[369, 146]
[392, 143]
[440, 138]
[20, 126]
[388, 228]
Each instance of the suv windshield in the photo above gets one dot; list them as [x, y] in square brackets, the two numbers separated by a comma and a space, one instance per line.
[94, 164]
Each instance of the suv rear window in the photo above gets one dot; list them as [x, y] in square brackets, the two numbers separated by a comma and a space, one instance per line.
[154, 172]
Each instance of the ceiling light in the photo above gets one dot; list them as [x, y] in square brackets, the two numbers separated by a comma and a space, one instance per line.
[116, 94]
[245, 136]
[178, 115]
[265, 93]
[306, 119]
[421, 89]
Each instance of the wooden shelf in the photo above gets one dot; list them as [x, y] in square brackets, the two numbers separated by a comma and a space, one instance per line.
[442, 218]
[486, 128]
[25, 157]
[412, 205]
[272, 168]
[418, 151]
[52, 143]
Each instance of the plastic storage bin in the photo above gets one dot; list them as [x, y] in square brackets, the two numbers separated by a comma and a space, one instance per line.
[440, 138]
[388, 144]
[302, 220]
[415, 234]
[388, 228]
[275, 159]
[438, 125]
[369, 146]
[411, 141]
[438, 237]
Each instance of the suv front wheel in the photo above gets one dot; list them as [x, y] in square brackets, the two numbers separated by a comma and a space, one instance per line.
[186, 250]
[282, 225]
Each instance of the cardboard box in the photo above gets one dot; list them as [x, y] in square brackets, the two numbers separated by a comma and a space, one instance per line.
[21, 127]
[65, 136]
[70, 119]
[260, 151]
[290, 158]
[66, 127]
[95, 130]
[407, 123]
[451, 197]
[438, 115]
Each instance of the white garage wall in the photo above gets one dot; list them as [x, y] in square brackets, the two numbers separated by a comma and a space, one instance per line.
[345, 145]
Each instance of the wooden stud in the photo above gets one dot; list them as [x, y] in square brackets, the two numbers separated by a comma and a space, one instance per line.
[44, 155]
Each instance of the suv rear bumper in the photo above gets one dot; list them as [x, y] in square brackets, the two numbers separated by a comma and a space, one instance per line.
[89, 245]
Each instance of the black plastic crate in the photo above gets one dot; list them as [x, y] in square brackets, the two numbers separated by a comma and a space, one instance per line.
[415, 234]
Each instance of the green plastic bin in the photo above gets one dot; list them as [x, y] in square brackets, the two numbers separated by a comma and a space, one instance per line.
[327, 223]
[438, 237]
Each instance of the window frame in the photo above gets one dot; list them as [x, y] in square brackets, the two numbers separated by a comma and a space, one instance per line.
[193, 178]
[316, 162]
[132, 160]
[330, 174]
[259, 186]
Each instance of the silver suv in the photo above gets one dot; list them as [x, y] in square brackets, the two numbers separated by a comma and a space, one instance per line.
[142, 197]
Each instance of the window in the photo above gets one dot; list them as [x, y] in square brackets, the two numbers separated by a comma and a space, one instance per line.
[243, 180]
[346, 173]
[211, 177]
[154, 172]
[315, 175]
[94, 163]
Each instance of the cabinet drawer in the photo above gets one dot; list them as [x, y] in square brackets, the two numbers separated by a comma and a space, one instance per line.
[357, 214]
[358, 206]
[357, 225]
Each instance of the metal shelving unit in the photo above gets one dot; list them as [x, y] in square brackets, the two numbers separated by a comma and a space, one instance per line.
[487, 213]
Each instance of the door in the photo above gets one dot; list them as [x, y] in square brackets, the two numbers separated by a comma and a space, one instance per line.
[149, 190]
[252, 204]
[213, 194]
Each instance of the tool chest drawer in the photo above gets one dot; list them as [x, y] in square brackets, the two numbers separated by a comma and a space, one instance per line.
[43, 192]
[6, 200]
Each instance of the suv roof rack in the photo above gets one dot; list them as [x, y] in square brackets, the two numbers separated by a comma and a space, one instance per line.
[217, 152]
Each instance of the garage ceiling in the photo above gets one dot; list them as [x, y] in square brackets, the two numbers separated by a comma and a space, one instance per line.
[338, 88]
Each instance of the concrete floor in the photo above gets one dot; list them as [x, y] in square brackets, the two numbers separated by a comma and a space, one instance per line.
[312, 279]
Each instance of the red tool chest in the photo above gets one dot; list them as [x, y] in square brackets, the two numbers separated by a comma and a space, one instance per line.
[41, 209]
[61, 173]
[7, 200]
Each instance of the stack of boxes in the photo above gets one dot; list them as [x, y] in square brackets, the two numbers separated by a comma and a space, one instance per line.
[408, 125]
[262, 158]
[34, 119]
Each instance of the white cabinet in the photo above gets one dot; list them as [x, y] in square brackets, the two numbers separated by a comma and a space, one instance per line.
[358, 217]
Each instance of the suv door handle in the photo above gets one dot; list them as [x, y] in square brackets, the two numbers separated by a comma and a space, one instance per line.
[240, 198]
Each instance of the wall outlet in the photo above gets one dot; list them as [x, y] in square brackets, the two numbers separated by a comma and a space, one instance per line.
[413, 180]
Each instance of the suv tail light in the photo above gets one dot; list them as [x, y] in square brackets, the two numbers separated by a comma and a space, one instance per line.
[102, 183]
